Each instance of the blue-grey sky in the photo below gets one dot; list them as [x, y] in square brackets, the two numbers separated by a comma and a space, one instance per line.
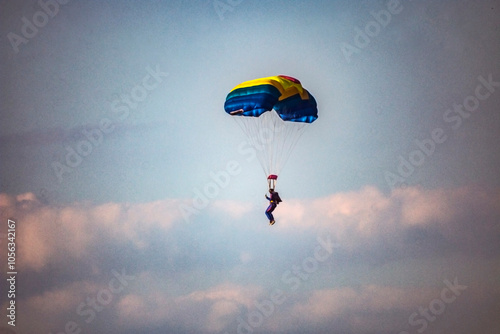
[138, 211]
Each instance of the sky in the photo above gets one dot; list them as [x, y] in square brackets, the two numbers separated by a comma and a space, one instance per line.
[138, 203]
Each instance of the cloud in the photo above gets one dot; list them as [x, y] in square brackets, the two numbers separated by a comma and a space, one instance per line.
[235, 209]
[54, 302]
[385, 309]
[368, 217]
[360, 219]
[207, 276]
[225, 302]
[323, 305]
[81, 303]
[49, 235]
[211, 309]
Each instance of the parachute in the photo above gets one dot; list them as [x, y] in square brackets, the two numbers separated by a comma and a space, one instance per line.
[272, 112]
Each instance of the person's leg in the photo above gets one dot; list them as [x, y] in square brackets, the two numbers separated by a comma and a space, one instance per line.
[269, 211]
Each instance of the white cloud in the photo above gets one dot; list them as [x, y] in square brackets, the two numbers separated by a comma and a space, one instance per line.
[323, 305]
[56, 301]
[362, 218]
[367, 216]
[50, 237]
[210, 309]
[49, 234]
[235, 209]
[53, 309]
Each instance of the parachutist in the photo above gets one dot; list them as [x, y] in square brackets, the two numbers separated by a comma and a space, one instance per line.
[274, 200]
[272, 112]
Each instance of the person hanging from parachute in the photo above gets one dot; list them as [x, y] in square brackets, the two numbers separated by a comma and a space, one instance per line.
[272, 111]
[274, 199]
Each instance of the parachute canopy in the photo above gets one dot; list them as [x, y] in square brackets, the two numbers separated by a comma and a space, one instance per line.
[273, 134]
[284, 94]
